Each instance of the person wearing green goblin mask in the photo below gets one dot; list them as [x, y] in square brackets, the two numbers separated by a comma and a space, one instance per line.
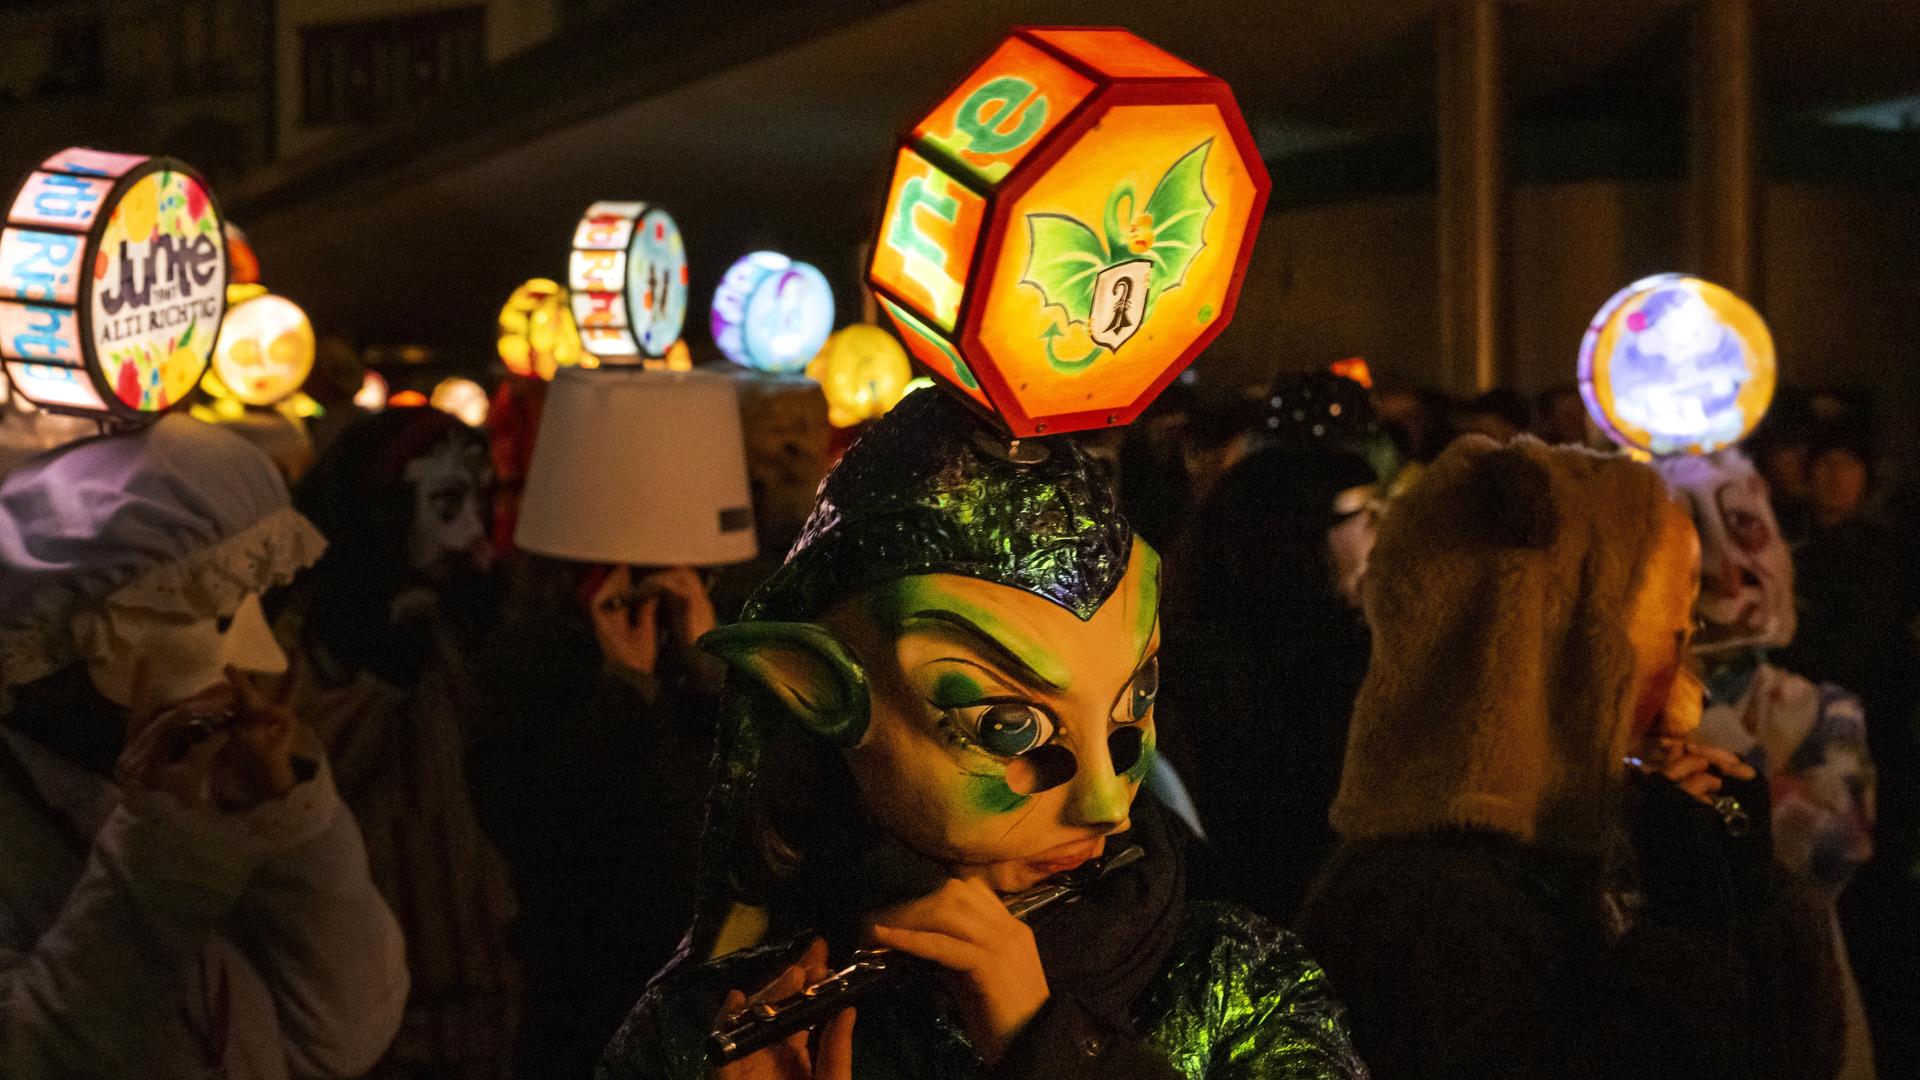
[944, 697]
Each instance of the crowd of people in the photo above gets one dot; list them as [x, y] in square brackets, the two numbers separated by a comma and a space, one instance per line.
[1554, 762]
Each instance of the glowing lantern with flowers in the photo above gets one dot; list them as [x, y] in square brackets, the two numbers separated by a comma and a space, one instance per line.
[113, 273]
[1069, 228]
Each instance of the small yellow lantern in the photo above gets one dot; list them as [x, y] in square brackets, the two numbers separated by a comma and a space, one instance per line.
[462, 398]
[863, 371]
[265, 351]
[537, 334]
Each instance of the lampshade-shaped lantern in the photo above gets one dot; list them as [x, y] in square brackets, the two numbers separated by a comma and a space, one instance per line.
[629, 279]
[265, 351]
[771, 313]
[1069, 228]
[537, 334]
[1674, 364]
[113, 276]
[863, 371]
[641, 468]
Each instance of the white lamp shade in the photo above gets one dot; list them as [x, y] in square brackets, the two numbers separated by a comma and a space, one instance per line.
[638, 467]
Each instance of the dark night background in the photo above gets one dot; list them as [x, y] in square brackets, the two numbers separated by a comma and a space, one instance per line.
[402, 164]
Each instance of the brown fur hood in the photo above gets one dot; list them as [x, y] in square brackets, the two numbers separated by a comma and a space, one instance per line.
[1498, 595]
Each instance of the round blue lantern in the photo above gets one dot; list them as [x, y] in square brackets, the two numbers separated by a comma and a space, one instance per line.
[771, 313]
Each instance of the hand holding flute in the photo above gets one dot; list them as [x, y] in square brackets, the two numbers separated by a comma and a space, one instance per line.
[978, 940]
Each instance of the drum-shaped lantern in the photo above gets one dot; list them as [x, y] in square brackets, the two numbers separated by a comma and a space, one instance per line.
[628, 274]
[113, 277]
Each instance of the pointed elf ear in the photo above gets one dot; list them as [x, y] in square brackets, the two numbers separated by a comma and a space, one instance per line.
[805, 668]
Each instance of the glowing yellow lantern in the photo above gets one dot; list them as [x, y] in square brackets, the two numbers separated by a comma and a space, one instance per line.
[372, 395]
[462, 398]
[538, 335]
[1069, 228]
[863, 371]
[1674, 364]
[113, 274]
[265, 351]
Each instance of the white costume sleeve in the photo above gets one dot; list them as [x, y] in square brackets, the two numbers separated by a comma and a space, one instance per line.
[319, 932]
[158, 879]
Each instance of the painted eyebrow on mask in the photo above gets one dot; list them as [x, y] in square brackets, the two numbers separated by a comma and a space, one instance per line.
[1026, 668]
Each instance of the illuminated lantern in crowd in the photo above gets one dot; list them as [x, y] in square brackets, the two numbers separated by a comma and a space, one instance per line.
[771, 313]
[1069, 228]
[113, 276]
[462, 398]
[1674, 364]
[243, 266]
[863, 371]
[537, 334]
[1355, 368]
[372, 395]
[629, 279]
[265, 351]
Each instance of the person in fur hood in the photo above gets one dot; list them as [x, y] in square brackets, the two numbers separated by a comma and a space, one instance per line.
[1541, 873]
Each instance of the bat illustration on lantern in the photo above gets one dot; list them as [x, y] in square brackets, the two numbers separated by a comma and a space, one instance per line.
[1109, 282]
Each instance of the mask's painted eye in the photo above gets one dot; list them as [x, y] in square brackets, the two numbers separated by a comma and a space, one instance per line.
[1047, 767]
[1124, 747]
[1007, 728]
[1146, 687]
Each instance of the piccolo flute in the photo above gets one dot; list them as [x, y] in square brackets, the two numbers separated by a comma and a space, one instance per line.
[764, 1023]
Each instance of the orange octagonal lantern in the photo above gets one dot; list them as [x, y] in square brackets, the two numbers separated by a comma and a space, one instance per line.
[1068, 229]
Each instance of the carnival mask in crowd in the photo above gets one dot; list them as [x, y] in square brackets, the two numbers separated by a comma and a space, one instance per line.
[978, 638]
[1005, 737]
[183, 656]
[450, 490]
[1746, 571]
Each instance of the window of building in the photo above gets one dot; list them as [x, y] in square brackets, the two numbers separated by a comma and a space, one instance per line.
[204, 43]
[361, 71]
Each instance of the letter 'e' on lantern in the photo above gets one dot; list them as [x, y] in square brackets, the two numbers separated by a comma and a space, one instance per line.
[1069, 227]
[113, 278]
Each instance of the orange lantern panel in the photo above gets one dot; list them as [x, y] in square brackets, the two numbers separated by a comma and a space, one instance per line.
[1003, 111]
[935, 354]
[927, 240]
